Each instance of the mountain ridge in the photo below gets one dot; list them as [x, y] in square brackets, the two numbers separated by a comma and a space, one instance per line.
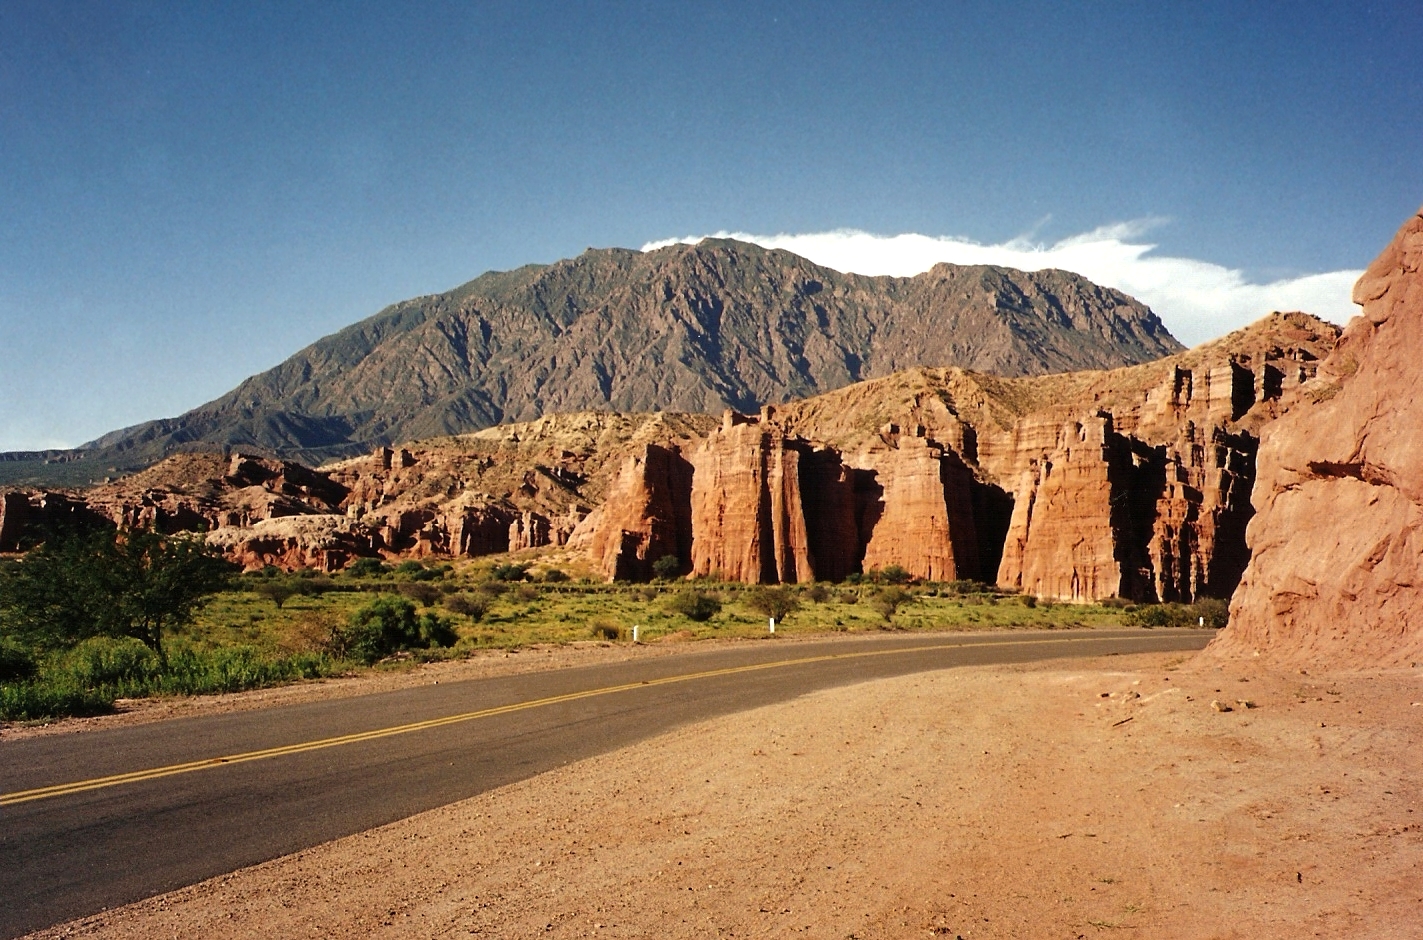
[694, 328]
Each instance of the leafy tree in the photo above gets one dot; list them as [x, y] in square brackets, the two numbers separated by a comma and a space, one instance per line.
[778, 602]
[278, 592]
[666, 567]
[139, 584]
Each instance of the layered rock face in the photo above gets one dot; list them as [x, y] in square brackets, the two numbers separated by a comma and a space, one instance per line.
[1079, 487]
[646, 517]
[767, 507]
[1336, 571]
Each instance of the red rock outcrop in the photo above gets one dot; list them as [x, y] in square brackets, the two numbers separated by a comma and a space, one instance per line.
[1144, 494]
[920, 516]
[321, 542]
[646, 517]
[1336, 571]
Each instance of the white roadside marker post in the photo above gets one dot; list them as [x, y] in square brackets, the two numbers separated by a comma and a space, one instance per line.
[634, 633]
[773, 624]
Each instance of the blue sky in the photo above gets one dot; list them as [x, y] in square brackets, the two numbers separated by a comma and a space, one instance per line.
[191, 192]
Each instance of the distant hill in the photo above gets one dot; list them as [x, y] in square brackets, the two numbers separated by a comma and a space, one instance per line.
[694, 328]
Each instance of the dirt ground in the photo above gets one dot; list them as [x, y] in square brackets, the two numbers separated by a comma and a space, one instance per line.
[1104, 797]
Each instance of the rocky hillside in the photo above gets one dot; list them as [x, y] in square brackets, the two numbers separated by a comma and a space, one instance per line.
[1078, 486]
[687, 328]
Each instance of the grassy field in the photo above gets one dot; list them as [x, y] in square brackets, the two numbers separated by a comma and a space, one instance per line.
[273, 628]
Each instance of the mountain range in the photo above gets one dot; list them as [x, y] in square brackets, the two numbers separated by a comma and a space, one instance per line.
[692, 328]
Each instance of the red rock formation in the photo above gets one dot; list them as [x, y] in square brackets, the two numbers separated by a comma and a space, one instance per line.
[1336, 572]
[921, 518]
[646, 517]
[1066, 536]
[324, 543]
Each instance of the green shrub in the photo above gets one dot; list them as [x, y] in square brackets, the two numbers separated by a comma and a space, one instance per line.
[33, 700]
[16, 661]
[122, 663]
[553, 576]
[777, 602]
[509, 572]
[367, 568]
[818, 593]
[1030, 601]
[1215, 612]
[378, 629]
[436, 631]
[467, 605]
[666, 567]
[887, 601]
[423, 594]
[694, 605]
[894, 574]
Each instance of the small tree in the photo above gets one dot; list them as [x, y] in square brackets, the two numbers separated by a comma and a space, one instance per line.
[140, 585]
[278, 592]
[777, 602]
[666, 567]
[887, 601]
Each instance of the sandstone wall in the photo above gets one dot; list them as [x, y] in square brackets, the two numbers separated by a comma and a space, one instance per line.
[1336, 572]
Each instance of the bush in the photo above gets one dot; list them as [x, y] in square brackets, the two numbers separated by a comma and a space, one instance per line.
[777, 602]
[606, 630]
[436, 631]
[666, 567]
[694, 605]
[527, 593]
[137, 583]
[409, 567]
[554, 576]
[378, 629]
[1030, 601]
[423, 594]
[367, 568]
[818, 593]
[854, 577]
[887, 601]
[1214, 611]
[16, 662]
[509, 572]
[29, 701]
[123, 663]
[467, 605]
[894, 574]
[493, 588]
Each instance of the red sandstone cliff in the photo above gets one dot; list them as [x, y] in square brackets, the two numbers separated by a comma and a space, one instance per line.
[1336, 571]
[1079, 486]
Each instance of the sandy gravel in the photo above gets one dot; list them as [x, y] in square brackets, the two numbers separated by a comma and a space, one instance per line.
[1074, 799]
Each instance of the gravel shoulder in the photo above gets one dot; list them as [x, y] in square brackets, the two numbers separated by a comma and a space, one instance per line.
[1069, 799]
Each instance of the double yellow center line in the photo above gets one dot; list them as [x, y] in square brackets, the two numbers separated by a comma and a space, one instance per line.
[99, 783]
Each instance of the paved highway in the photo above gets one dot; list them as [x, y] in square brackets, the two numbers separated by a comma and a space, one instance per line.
[99, 819]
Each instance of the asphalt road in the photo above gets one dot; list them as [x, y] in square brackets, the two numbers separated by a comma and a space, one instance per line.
[95, 820]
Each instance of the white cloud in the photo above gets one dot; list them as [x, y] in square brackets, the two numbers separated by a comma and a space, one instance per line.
[1197, 300]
